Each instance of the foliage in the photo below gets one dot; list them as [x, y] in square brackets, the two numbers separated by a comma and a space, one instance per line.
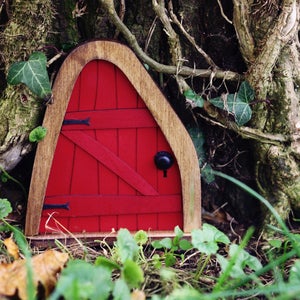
[33, 73]
[5, 208]
[37, 134]
[198, 139]
[236, 104]
[5, 176]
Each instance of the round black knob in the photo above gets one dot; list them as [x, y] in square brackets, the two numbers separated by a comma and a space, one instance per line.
[163, 160]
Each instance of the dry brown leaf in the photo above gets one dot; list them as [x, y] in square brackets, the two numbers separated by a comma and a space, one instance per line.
[12, 248]
[45, 268]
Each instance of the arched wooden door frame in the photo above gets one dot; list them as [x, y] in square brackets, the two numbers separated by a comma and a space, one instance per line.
[174, 131]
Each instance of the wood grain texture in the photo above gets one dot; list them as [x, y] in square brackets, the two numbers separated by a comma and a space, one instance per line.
[174, 131]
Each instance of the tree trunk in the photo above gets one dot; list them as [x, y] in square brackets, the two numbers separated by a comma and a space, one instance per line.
[269, 43]
[20, 111]
[264, 31]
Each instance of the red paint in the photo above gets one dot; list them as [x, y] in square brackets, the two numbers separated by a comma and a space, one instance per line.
[106, 171]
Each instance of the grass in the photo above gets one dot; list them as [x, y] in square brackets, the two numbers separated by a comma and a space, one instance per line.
[207, 266]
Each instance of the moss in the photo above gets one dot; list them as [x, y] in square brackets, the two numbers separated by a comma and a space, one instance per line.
[25, 33]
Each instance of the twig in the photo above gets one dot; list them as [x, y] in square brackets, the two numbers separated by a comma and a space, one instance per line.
[190, 38]
[150, 33]
[121, 14]
[185, 71]
[222, 12]
[250, 133]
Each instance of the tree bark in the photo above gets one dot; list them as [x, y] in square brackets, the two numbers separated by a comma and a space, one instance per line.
[20, 111]
[273, 71]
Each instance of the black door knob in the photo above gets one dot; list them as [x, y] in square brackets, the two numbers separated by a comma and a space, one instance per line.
[163, 160]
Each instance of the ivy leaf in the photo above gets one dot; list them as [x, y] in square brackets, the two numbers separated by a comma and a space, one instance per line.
[33, 73]
[5, 208]
[195, 98]
[37, 134]
[246, 92]
[233, 104]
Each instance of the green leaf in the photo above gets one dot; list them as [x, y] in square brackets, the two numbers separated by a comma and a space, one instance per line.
[276, 243]
[126, 245]
[185, 293]
[5, 208]
[33, 73]
[163, 243]
[37, 134]
[106, 263]
[81, 280]
[185, 245]
[121, 290]
[294, 276]
[242, 260]
[196, 99]
[178, 232]
[167, 274]
[234, 105]
[141, 237]
[170, 260]
[246, 92]
[206, 239]
[207, 174]
[132, 273]
[4, 177]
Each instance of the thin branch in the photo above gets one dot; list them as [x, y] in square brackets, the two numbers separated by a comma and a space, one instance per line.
[222, 12]
[249, 133]
[191, 39]
[121, 14]
[184, 71]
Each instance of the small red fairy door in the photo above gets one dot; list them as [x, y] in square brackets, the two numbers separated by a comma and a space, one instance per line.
[115, 155]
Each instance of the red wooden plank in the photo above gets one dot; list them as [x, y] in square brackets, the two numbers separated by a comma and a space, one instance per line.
[108, 180]
[147, 221]
[107, 119]
[108, 223]
[85, 172]
[127, 221]
[92, 205]
[84, 224]
[74, 99]
[146, 150]
[126, 93]
[61, 171]
[127, 152]
[172, 183]
[106, 84]
[167, 221]
[110, 160]
[49, 225]
[88, 86]
[141, 103]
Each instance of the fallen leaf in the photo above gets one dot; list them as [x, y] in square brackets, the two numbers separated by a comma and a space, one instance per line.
[12, 248]
[45, 268]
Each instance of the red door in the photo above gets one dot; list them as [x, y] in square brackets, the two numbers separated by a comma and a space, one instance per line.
[103, 175]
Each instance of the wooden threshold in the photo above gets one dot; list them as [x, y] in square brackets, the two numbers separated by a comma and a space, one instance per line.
[92, 238]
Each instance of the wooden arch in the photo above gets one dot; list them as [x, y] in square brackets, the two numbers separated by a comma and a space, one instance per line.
[174, 131]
